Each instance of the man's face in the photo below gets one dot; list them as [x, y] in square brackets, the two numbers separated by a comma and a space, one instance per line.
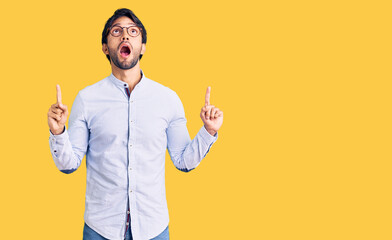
[124, 50]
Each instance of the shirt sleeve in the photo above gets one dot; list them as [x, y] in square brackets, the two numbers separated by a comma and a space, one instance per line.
[186, 154]
[69, 147]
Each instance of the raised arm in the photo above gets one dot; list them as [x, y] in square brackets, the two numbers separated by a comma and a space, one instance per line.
[66, 155]
[186, 154]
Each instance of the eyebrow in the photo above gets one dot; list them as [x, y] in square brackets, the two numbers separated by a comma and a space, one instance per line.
[118, 24]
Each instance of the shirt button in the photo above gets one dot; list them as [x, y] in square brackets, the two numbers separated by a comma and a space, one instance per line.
[130, 145]
[130, 168]
[130, 190]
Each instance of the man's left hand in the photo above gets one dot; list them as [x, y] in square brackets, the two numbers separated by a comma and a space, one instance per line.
[211, 116]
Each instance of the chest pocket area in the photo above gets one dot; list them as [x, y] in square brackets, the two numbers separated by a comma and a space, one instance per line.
[151, 131]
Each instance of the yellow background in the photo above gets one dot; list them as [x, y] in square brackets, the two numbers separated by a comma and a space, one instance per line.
[305, 148]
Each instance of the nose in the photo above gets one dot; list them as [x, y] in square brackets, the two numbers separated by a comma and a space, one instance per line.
[125, 35]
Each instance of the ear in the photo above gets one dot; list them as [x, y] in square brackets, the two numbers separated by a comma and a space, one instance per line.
[105, 49]
[143, 49]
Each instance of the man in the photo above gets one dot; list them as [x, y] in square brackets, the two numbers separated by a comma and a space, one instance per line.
[123, 124]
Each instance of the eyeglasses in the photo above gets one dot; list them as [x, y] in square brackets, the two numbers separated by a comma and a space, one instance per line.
[117, 31]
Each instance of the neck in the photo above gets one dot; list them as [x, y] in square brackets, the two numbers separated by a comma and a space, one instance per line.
[131, 76]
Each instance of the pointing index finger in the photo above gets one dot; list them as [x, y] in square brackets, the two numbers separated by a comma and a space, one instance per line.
[208, 96]
[58, 91]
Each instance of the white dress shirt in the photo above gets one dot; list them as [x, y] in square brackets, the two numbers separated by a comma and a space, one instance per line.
[124, 139]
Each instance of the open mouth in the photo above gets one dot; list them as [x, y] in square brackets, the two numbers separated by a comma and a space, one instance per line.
[125, 51]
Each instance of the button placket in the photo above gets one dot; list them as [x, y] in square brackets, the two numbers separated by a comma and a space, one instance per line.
[131, 147]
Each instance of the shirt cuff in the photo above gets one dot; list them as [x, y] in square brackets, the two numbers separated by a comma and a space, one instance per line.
[60, 138]
[207, 137]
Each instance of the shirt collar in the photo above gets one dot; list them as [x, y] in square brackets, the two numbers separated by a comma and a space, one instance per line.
[122, 84]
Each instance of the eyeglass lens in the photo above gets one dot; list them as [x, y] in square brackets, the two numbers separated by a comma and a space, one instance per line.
[133, 31]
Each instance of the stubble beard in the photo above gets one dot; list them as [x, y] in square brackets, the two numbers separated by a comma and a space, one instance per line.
[124, 65]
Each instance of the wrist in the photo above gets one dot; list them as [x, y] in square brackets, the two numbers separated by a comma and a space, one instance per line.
[210, 131]
[58, 132]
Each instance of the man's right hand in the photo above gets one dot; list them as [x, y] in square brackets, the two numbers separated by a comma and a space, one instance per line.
[57, 115]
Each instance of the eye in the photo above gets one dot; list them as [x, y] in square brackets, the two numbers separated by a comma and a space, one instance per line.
[116, 30]
[134, 31]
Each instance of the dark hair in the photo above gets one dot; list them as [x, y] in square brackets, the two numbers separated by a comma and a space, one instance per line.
[121, 13]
